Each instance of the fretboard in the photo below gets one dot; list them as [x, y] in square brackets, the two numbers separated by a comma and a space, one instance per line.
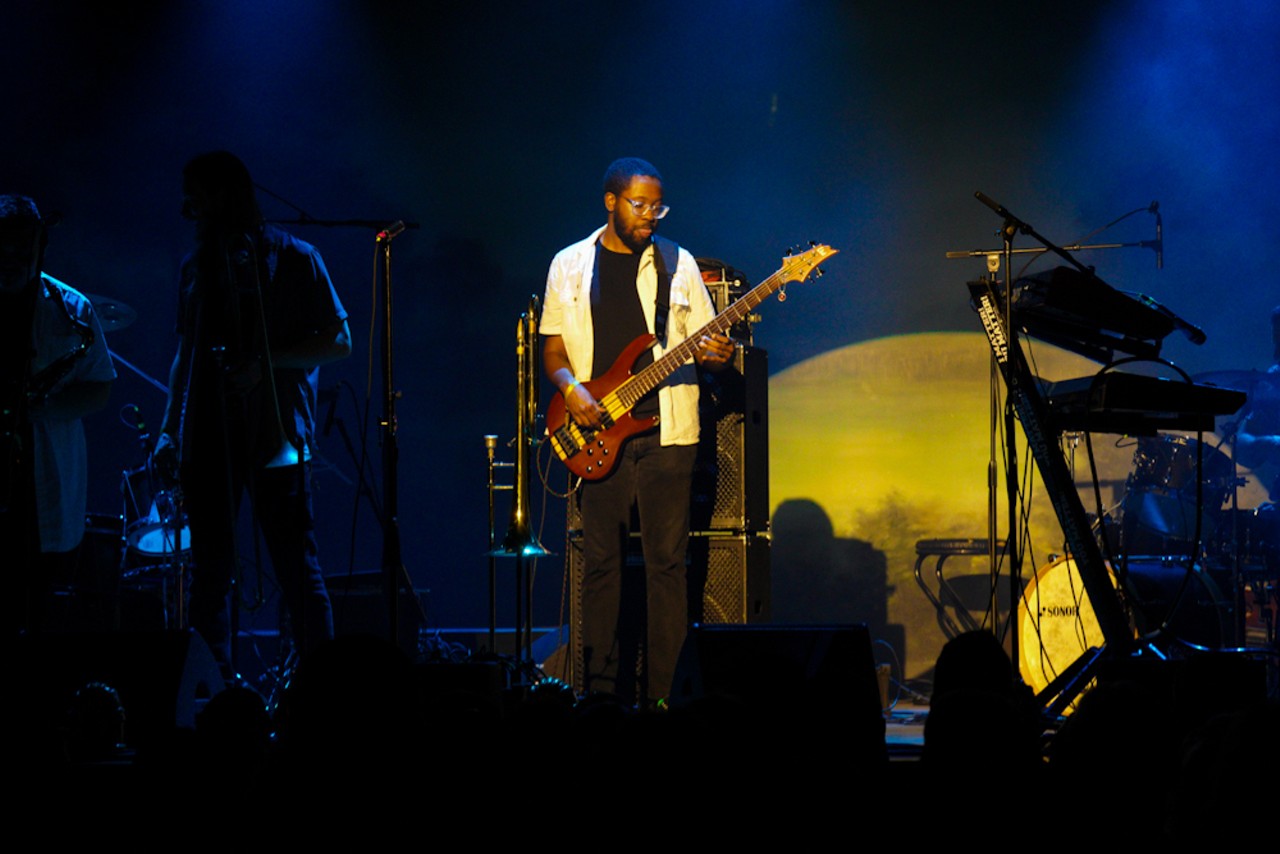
[649, 378]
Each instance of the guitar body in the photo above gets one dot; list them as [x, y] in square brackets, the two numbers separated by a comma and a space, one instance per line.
[591, 454]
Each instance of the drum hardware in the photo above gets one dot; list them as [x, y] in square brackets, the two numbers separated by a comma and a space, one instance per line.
[948, 596]
[155, 524]
[156, 538]
[84, 591]
[113, 587]
[1264, 537]
[1160, 504]
[1237, 547]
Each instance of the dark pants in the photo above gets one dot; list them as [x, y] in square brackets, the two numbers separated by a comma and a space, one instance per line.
[656, 480]
[281, 501]
[20, 536]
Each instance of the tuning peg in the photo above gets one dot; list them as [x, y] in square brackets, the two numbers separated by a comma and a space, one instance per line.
[818, 272]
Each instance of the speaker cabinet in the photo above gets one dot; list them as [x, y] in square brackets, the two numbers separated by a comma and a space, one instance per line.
[728, 578]
[727, 573]
[731, 475]
[360, 607]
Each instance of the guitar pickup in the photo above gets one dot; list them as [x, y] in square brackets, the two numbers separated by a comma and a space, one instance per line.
[565, 441]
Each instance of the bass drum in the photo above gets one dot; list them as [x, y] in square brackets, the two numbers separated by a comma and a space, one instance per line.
[1056, 621]
[1159, 507]
[154, 523]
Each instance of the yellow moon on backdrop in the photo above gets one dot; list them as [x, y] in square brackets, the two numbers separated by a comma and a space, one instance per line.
[891, 439]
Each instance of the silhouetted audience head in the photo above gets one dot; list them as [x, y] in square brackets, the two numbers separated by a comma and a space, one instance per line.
[95, 724]
[973, 661]
[979, 721]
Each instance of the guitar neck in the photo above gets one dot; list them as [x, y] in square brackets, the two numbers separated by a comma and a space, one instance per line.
[652, 376]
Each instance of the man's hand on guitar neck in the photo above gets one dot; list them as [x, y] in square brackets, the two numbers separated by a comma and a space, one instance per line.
[714, 352]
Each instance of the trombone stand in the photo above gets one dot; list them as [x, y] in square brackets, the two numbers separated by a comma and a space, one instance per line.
[526, 555]
[491, 444]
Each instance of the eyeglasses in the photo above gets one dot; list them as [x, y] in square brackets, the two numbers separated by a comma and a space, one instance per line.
[642, 208]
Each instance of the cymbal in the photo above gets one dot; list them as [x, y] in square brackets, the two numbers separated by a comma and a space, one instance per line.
[112, 314]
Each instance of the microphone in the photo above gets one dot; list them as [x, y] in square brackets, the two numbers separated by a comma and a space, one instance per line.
[1193, 333]
[391, 231]
[991, 203]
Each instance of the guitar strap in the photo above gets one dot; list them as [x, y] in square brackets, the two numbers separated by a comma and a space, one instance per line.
[666, 256]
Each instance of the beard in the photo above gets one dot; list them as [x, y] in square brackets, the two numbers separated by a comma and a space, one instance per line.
[635, 239]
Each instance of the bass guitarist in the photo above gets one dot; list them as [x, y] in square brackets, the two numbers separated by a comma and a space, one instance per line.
[620, 283]
[55, 369]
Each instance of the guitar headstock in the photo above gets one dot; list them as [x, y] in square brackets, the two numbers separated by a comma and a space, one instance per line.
[796, 268]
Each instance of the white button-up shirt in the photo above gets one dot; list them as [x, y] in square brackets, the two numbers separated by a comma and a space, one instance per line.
[566, 311]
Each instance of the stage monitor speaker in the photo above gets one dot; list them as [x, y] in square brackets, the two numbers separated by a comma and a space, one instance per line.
[810, 675]
[360, 607]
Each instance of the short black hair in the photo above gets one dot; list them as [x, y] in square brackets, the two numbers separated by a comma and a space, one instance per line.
[620, 172]
[19, 212]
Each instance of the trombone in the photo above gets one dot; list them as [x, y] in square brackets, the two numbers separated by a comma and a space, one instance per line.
[520, 541]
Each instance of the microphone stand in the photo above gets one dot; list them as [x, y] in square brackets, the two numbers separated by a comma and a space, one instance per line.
[393, 569]
[394, 574]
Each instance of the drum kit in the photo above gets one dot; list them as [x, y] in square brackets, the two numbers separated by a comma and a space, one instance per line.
[140, 555]
[1195, 561]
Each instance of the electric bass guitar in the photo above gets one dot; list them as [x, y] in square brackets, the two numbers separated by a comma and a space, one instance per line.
[591, 453]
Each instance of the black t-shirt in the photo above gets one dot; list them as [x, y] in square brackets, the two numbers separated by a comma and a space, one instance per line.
[618, 317]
